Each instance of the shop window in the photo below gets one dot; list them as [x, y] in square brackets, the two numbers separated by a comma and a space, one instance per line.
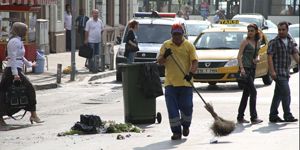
[59, 10]
[284, 8]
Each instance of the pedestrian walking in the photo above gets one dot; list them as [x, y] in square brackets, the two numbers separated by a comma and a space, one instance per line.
[280, 50]
[13, 72]
[218, 16]
[204, 9]
[247, 58]
[68, 26]
[93, 34]
[81, 22]
[178, 91]
[131, 46]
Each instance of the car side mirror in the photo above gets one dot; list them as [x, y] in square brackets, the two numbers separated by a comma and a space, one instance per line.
[265, 27]
[118, 40]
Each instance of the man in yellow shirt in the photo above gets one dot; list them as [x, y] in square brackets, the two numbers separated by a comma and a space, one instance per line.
[178, 90]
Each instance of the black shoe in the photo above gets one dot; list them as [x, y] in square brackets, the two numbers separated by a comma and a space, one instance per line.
[275, 119]
[256, 121]
[185, 131]
[290, 119]
[242, 121]
[176, 136]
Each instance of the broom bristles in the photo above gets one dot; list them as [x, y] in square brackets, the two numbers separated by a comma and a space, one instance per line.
[220, 127]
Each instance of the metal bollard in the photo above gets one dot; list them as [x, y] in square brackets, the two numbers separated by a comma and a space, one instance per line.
[111, 56]
[102, 58]
[58, 75]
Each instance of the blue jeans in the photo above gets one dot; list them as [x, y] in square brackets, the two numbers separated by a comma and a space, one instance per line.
[92, 65]
[281, 93]
[179, 101]
[130, 58]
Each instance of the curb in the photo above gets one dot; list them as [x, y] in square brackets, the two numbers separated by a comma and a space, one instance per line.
[103, 75]
[45, 86]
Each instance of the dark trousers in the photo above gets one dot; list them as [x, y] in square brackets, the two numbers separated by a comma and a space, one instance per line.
[249, 90]
[68, 40]
[81, 32]
[7, 81]
[281, 93]
[179, 101]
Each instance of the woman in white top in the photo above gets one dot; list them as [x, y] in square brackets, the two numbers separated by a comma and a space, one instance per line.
[13, 72]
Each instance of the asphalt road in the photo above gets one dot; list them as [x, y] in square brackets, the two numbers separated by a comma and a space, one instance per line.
[61, 107]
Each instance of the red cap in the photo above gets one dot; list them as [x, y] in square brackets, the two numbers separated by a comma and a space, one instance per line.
[177, 28]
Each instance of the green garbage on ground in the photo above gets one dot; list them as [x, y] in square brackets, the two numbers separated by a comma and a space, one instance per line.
[107, 127]
[113, 127]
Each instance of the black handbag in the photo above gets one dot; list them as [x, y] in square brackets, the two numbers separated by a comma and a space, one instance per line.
[16, 99]
[16, 96]
[85, 51]
[242, 80]
[131, 48]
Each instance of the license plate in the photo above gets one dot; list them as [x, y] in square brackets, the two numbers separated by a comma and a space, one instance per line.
[206, 70]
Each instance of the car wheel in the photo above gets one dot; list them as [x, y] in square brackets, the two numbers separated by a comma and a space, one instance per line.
[295, 70]
[119, 75]
[267, 79]
[212, 83]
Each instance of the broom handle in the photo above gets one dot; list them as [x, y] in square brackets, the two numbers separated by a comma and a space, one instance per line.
[178, 65]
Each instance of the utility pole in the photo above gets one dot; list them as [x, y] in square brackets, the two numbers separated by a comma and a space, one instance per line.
[73, 39]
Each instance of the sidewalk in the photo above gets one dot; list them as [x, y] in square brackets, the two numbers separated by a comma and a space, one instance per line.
[48, 79]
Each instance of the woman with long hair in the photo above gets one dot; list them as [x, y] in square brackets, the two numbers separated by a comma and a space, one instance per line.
[247, 58]
[13, 72]
[131, 46]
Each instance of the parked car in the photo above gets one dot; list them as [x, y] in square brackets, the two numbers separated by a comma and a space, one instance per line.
[271, 33]
[153, 31]
[256, 18]
[271, 24]
[195, 27]
[217, 49]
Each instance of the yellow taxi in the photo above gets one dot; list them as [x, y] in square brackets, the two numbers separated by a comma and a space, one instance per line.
[217, 49]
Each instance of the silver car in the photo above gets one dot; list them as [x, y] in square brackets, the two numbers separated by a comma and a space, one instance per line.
[152, 33]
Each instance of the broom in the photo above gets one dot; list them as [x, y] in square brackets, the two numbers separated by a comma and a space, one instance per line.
[220, 127]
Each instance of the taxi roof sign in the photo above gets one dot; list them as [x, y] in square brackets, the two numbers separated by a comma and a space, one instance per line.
[229, 21]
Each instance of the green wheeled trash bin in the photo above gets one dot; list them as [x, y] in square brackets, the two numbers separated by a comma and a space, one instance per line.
[139, 100]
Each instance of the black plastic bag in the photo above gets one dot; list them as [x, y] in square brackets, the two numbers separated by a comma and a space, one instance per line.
[91, 120]
[85, 51]
[84, 128]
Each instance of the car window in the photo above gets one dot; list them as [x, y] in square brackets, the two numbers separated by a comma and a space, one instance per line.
[294, 32]
[220, 40]
[195, 29]
[271, 24]
[258, 22]
[152, 33]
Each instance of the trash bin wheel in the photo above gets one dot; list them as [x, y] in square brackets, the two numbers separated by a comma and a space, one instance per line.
[158, 117]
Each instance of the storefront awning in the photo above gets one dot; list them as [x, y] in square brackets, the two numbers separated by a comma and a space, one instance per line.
[29, 2]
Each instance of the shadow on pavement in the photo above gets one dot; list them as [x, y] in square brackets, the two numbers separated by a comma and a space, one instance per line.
[272, 127]
[169, 144]
[240, 128]
[226, 88]
[14, 127]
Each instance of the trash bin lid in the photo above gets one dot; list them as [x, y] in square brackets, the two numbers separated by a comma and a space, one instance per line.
[134, 64]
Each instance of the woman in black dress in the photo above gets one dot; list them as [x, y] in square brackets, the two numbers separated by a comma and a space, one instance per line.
[13, 72]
